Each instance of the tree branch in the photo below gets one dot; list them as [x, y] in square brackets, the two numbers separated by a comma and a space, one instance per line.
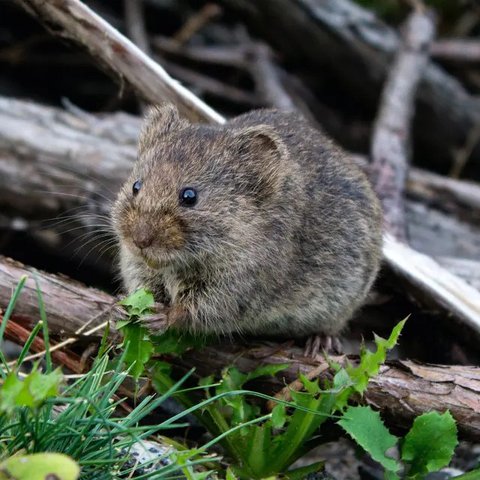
[391, 137]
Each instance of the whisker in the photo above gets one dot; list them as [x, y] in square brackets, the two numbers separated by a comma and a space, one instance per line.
[82, 175]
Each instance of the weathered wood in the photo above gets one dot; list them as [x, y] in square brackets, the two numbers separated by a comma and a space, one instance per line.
[456, 50]
[433, 282]
[390, 149]
[403, 389]
[343, 39]
[74, 20]
[464, 268]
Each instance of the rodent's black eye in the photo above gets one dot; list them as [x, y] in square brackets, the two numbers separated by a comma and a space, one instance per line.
[188, 197]
[136, 187]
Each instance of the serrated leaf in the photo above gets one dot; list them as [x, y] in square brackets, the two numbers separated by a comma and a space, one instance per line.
[138, 348]
[40, 466]
[121, 323]
[206, 381]
[430, 443]
[230, 475]
[366, 427]
[311, 386]
[341, 379]
[370, 362]
[30, 391]
[138, 303]
[279, 416]
[241, 410]
[304, 472]
[232, 379]
[266, 371]
[9, 392]
[174, 342]
[43, 386]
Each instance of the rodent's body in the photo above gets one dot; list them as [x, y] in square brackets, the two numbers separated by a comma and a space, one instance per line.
[285, 238]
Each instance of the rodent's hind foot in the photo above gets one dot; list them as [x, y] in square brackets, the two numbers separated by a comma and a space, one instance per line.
[316, 344]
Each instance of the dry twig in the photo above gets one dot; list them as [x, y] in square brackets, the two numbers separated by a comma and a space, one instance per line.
[391, 137]
[458, 50]
[135, 20]
[196, 22]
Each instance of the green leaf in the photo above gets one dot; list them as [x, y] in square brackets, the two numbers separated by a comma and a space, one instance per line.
[370, 362]
[138, 303]
[138, 348]
[11, 388]
[33, 390]
[368, 367]
[279, 416]
[43, 386]
[303, 472]
[311, 386]
[266, 371]
[174, 342]
[230, 475]
[39, 466]
[365, 426]
[232, 379]
[206, 381]
[430, 443]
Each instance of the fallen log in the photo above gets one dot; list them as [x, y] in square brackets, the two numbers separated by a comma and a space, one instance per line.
[402, 389]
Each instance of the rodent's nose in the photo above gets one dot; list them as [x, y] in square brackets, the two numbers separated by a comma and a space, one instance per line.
[142, 239]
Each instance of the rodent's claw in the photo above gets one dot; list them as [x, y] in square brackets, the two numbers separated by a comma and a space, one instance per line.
[315, 344]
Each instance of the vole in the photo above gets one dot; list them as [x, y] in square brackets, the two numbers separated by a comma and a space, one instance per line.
[260, 226]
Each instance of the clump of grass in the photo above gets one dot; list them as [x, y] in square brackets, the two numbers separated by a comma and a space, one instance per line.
[41, 412]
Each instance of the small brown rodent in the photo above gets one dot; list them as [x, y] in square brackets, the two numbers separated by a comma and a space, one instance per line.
[261, 226]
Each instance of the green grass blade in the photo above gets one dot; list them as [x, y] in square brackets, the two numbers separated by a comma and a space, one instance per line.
[43, 316]
[28, 343]
[7, 315]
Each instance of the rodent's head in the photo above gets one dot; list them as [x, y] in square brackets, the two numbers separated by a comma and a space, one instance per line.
[197, 189]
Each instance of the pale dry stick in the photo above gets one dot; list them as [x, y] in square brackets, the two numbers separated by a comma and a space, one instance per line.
[74, 20]
[135, 22]
[458, 50]
[447, 290]
[196, 22]
[267, 82]
[64, 343]
[391, 137]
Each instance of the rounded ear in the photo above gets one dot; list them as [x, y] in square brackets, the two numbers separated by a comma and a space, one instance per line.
[160, 120]
[259, 139]
[261, 153]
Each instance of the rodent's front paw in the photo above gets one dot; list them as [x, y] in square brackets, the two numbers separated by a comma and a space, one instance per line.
[157, 322]
[163, 317]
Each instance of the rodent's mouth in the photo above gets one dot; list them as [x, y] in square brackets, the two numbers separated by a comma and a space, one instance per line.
[156, 263]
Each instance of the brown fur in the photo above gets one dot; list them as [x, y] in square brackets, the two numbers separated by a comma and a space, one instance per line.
[285, 238]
